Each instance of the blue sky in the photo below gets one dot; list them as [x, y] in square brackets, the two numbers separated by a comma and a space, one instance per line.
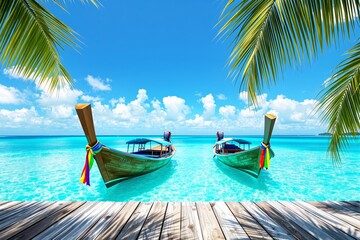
[147, 66]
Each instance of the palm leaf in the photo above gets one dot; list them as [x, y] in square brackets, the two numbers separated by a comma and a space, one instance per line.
[268, 35]
[30, 39]
[340, 102]
[96, 3]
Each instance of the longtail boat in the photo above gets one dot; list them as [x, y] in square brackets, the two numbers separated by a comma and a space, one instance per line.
[238, 154]
[143, 155]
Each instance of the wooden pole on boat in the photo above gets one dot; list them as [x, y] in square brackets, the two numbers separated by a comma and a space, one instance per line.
[85, 116]
[86, 119]
[269, 125]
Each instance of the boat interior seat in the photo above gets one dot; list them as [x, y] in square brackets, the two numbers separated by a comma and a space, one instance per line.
[232, 148]
[150, 152]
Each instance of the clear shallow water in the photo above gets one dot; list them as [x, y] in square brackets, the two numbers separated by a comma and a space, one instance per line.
[48, 168]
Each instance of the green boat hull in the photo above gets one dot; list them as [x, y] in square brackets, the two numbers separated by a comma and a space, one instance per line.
[247, 161]
[116, 166]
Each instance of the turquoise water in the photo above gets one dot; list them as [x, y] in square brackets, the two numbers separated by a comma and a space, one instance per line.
[48, 168]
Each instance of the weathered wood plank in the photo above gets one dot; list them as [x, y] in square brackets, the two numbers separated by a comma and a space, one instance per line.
[347, 208]
[285, 222]
[26, 222]
[46, 222]
[331, 219]
[209, 225]
[57, 228]
[172, 222]
[16, 209]
[336, 212]
[355, 203]
[154, 221]
[118, 222]
[351, 205]
[309, 224]
[132, 228]
[228, 223]
[332, 226]
[187, 220]
[271, 226]
[105, 220]
[10, 208]
[313, 225]
[84, 222]
[253, 229]
[190, 224]
[27, 211]
[7, 205]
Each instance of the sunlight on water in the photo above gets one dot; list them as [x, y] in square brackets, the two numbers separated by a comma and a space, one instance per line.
[48, 168]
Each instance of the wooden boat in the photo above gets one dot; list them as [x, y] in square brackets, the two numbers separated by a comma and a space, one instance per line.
[238, 154]
[143, 155]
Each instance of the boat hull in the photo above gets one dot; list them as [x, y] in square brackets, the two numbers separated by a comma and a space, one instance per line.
[247, 161]
[116, 166]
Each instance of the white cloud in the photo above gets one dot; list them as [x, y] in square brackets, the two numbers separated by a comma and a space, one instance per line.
[175, 108]
[209, 105]
[227, 111]
[281, 103]
[10, 95]
[66, 96]
[135, 110]
[208, 115]
[170, 113]
[243, 96]
[123, 111]
[293, 115]
[114, 101]
[60, 104]
[141, 115]
[261, 99]
[87, 98]
[221, 97]
[62, 111]
[98, 83]
[23, 117]
[198, 122]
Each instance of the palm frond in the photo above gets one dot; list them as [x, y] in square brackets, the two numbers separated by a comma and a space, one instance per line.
[340, 102]
[96, 3]
[30, 38]
[269, 35]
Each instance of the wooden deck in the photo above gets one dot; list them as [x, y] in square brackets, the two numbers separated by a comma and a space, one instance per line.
[185, 220]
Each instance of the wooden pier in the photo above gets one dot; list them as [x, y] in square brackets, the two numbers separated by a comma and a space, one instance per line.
[185, 220]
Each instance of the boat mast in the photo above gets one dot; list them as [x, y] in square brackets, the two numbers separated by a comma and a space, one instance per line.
[85, 116]
[269, 125]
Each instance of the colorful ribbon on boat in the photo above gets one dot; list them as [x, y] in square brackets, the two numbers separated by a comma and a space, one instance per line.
[265, 155]
[89, 161]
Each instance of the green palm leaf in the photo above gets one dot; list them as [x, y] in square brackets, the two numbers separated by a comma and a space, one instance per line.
[30, 38]
[269, 35]
[340, 102]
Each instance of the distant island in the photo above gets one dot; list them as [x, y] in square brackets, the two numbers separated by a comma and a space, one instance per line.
[347, 134]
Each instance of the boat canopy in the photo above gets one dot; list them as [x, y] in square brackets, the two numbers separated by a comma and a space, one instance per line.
[225, 140]
[146, 140]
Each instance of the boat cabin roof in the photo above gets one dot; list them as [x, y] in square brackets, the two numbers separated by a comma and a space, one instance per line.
[240, 141]
[146, 140]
